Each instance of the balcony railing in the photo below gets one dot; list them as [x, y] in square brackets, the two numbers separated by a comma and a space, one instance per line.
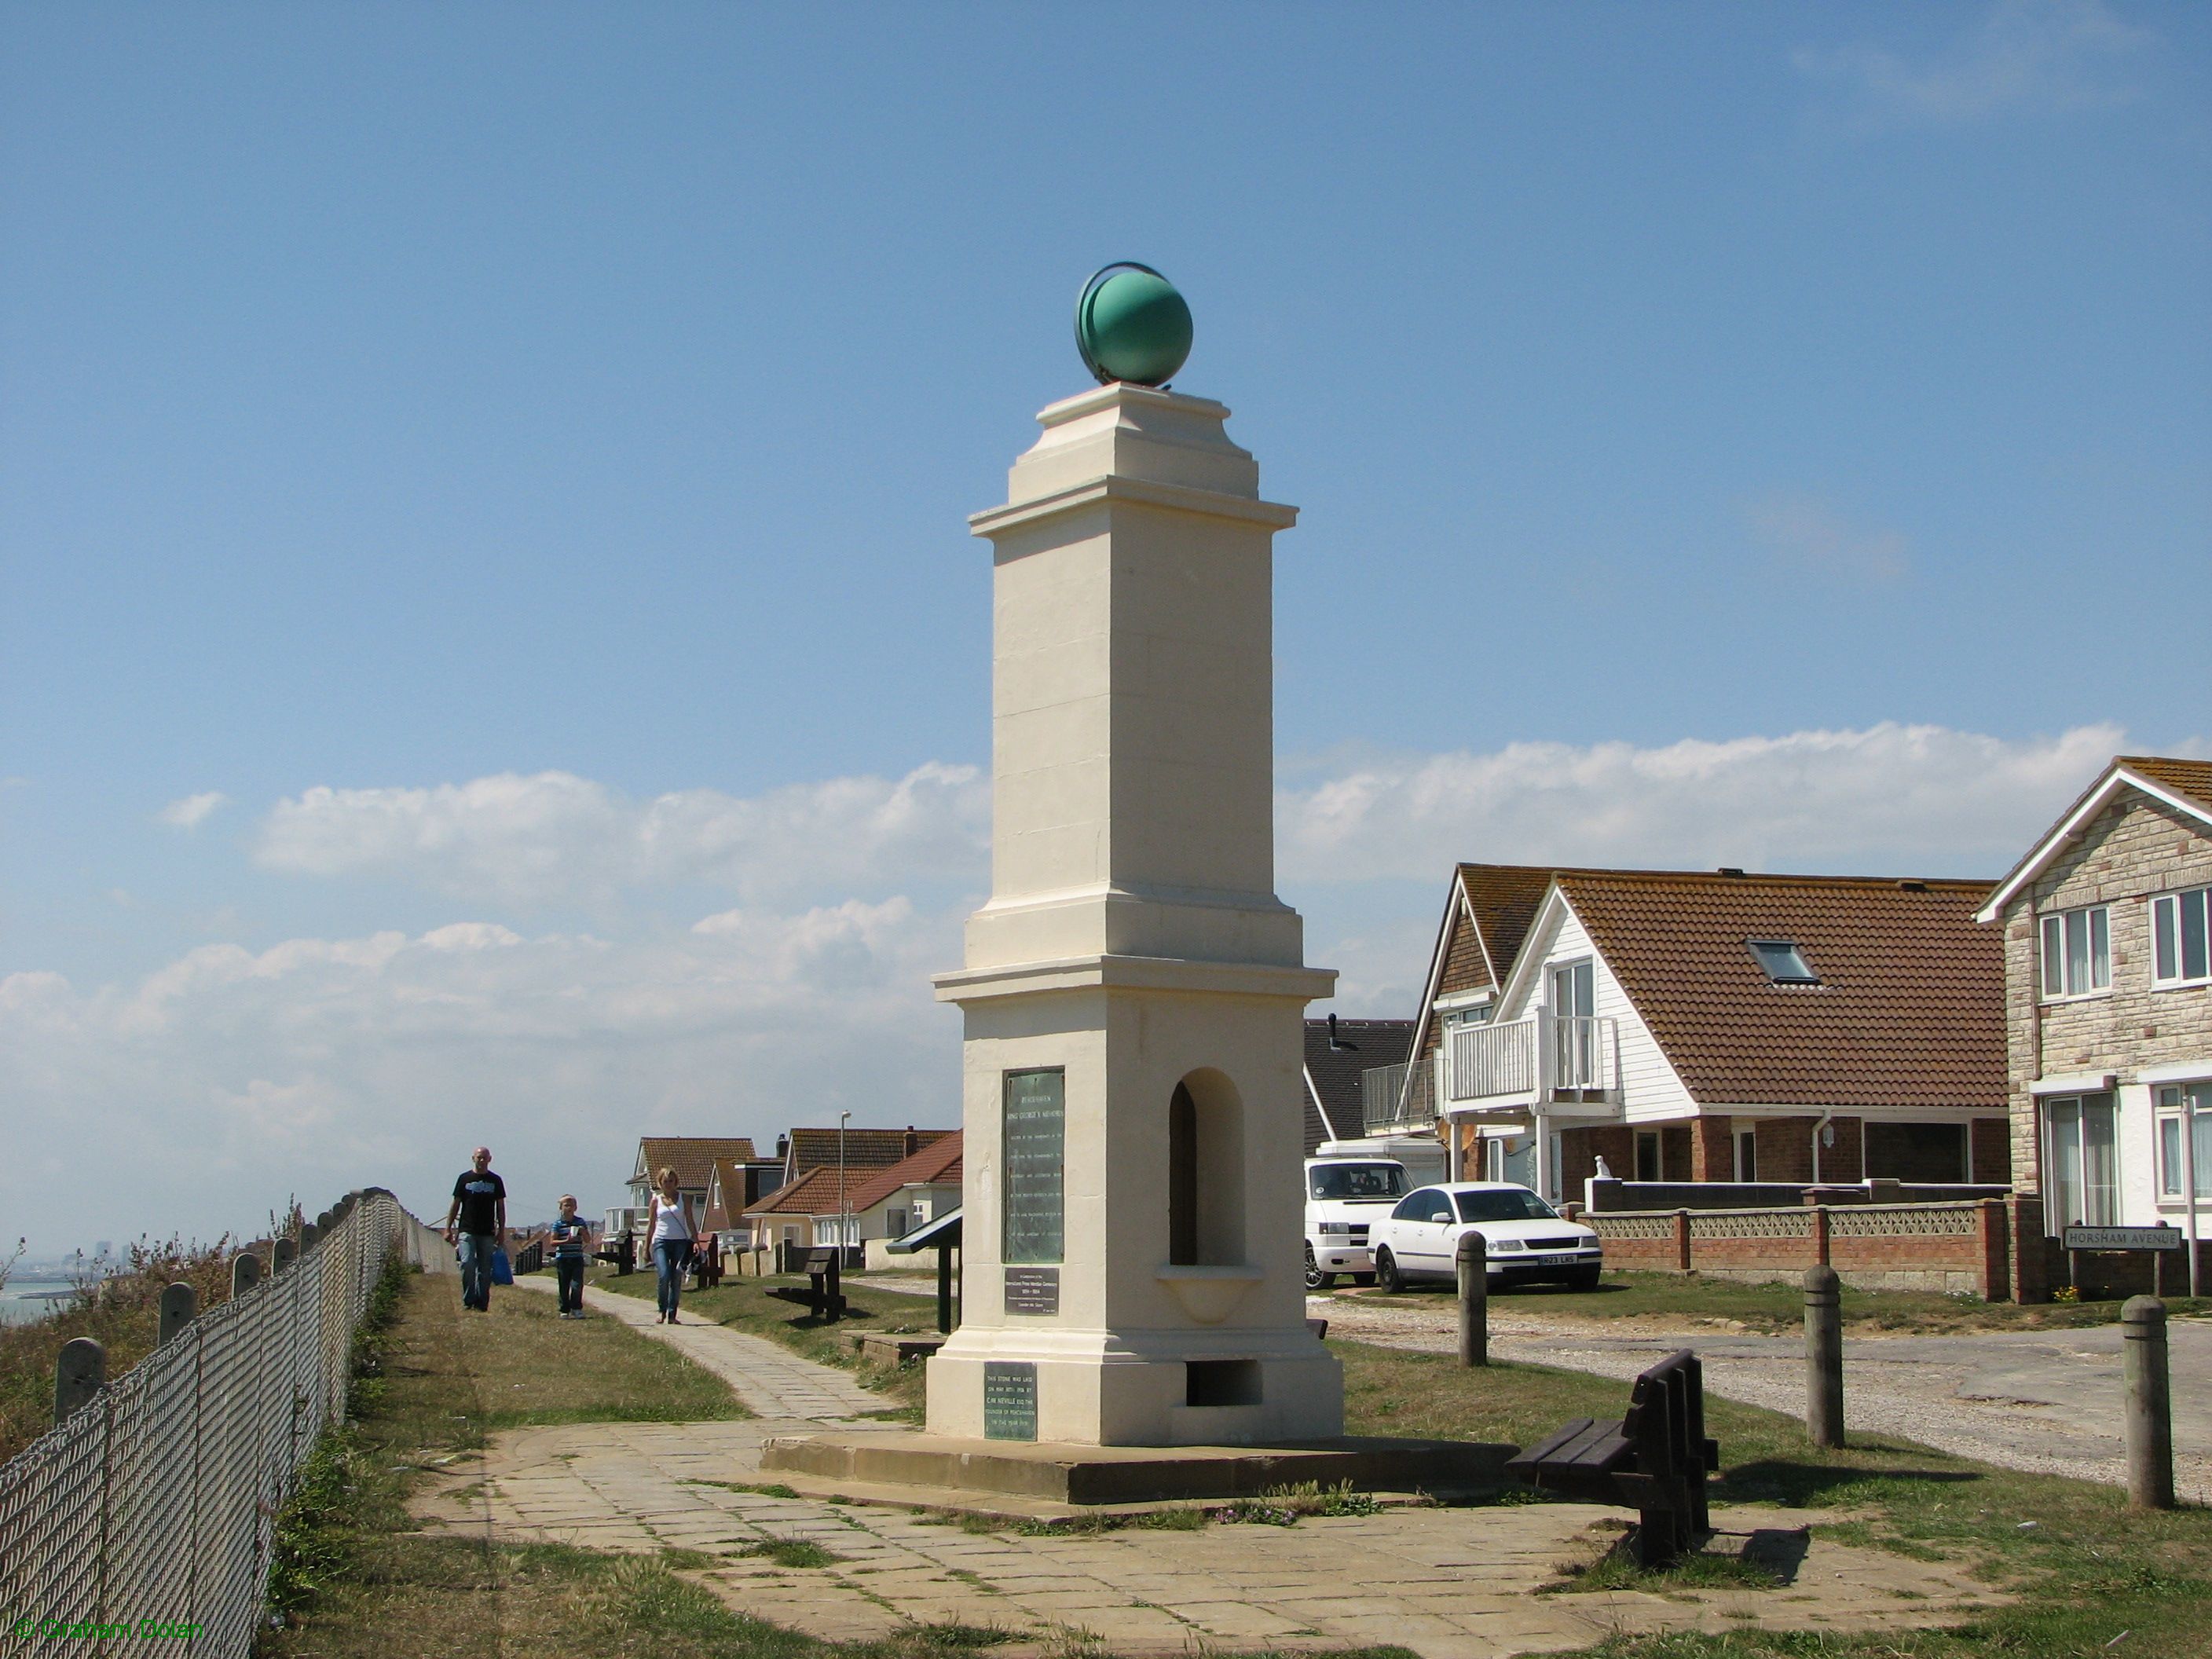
[1382, 1092]
[1539, 1059]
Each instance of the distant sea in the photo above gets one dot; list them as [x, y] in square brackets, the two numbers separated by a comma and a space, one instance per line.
[26, 1300]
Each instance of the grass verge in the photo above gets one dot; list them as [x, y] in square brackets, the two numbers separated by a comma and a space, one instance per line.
[2084, 1566]
[1689, 1300]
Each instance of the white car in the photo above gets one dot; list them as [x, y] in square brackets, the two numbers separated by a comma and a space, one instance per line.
[1524, 1237]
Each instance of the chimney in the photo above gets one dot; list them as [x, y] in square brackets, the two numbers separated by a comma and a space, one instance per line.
[913, 1141]
[782, 1147]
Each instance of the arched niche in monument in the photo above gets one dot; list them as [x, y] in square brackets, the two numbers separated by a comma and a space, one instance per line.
[1206, 1173]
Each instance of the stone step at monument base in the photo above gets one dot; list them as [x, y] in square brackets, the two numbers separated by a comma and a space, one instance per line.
[1026, 1479]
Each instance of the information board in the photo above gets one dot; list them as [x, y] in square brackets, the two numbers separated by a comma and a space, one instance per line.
[1032, 1290]
[2121, 1238]
[1009, 1399]
[1033, 1143]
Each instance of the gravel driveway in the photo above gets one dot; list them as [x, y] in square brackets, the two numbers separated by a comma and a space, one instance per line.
[2048, 1401]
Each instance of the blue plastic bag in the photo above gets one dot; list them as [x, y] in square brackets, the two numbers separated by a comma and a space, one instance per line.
[502, 1270]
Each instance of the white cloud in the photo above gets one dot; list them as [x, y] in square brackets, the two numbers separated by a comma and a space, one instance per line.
[554, 838]
[1803, 532]
[228, 1079]
[2024, 55]
[192, 811]
[1921, 799]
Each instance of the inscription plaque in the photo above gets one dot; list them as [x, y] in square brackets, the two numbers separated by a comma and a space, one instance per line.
[1033, 1289]
[1033, 1143]
[1009, 1399]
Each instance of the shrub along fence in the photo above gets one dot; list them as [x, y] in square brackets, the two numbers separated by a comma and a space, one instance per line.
[141, 1522]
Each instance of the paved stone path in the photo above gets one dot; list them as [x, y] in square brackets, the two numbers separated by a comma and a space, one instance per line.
[1451, 1583]
[2046, 1401]
[771, 1379]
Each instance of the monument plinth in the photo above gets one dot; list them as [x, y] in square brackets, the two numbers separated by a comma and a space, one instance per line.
[1134, 990]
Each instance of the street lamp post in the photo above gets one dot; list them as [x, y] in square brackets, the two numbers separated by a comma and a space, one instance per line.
[844, 1207]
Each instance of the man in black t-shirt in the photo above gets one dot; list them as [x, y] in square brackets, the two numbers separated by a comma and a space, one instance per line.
[479, 1206]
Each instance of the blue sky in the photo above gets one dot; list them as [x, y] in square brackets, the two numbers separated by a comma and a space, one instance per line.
[1724, 433]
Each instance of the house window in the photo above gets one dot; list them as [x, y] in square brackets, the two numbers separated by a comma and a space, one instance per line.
[2186, 1110]
[1785, 962]
[2082, 1160]
[895, 1225]
[1477, 1015]
[2179, 939]
[2077, 952]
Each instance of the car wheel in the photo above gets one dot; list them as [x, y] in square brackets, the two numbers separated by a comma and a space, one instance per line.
[1584, 1279]
[1386, 1272]
[1315, 1279]
[1363, 1279]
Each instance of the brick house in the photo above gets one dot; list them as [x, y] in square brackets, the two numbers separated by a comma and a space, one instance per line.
[693, 1158]
[1711, 1026]
[2108, 1001]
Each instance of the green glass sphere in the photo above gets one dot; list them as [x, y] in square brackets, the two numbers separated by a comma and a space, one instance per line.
[1132, 324]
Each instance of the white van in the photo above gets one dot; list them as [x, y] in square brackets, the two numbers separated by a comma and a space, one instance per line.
[1344, 1196]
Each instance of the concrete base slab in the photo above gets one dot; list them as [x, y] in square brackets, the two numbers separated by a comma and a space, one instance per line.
[1090, 1476]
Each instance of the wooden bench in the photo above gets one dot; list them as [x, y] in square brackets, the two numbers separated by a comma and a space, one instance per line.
[1655, 1461]
[825, 1296]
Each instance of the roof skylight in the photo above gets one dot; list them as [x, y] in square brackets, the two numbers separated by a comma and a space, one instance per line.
[1785, 962]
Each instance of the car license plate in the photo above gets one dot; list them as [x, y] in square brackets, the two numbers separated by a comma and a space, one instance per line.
[1552, 1260]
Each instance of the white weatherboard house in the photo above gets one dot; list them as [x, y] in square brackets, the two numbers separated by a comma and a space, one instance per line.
[1712, 1026]
[2108, 981]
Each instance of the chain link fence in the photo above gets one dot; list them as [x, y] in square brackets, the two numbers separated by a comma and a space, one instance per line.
[144, 1523]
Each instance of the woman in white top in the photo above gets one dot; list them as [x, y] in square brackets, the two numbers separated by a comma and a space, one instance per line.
[670, 1239]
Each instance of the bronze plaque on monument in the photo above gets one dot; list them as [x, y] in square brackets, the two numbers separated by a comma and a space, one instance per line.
[1033, 1140]
[1033, 1289]
[1009, 1399]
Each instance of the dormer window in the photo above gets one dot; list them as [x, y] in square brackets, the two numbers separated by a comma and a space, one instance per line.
[1785, 962]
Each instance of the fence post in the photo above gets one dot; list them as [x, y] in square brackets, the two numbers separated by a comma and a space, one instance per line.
[2149, 1408]
[309, 1232]
[244, 1273]
[1473, 1261]
[283, 1254]
[1995, 1251]
[1682, 1241]
[180, 1302]
[1823, 1356]
[78, 1374]
[1820, 1234]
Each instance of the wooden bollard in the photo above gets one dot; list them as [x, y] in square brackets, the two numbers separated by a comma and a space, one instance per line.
[1824, 1357]
[179, 1303]
[78, 1374]
[245, 1273]
[2150, 1403]
[282, 1255]
[1473, 1259]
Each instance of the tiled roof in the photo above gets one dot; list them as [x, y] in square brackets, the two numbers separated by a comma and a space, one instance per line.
[814, 1192]
[1909, 1010]
[2189, 778]
[691, 1156]
[935, 1165]
[864, 1148]
[1335, 1073]
[1504, 898]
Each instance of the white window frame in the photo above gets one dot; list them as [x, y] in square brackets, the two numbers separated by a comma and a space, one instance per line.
[2056, 1219]
[2166, 913]
[2174, 1115]
[2094, 920]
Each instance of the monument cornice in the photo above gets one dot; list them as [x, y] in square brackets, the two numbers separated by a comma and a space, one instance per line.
[1126, 973]
[1139, 492]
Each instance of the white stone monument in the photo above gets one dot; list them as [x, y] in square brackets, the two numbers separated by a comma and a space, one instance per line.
[1134, 990]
